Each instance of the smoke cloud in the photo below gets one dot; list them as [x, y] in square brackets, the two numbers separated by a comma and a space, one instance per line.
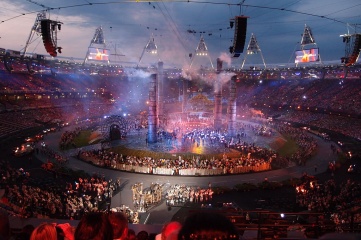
[137, 73]
[225, 58]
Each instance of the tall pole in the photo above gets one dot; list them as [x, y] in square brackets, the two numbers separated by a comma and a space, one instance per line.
[232, 107]
[152, 112]
[218, 97]
[160, 96]
[185, 94]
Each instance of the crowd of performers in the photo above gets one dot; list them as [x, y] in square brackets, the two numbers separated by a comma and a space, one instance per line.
[251, 158]
[67, 138]
[204, 135]
[144, 198]
[211, 136]
[180, 194]
[250, 155]
[132, 215]
[52, 157]
[175, 195]
[226, 165]
[85, 194]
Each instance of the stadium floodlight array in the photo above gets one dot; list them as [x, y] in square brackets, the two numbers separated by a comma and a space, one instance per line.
[201, 51]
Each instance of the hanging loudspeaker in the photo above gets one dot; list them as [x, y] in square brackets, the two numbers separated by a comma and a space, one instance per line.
[355, 51]
[47, 35]
[239, 35]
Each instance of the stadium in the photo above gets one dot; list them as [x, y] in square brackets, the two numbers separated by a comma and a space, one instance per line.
[274, 148]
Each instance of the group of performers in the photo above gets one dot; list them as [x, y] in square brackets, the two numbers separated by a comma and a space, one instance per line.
[144, 198]
[180, 194]
[174, 195]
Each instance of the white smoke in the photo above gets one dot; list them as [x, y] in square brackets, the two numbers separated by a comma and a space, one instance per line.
[221, 79]
[137, 73]
[211, 78]
[189, 74]
[224, 57]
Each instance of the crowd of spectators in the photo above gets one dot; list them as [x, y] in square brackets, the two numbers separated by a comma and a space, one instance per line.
[16, 121]
[102, 226]
[13, 122]
[52, 198]
[332, 95]
[62, 95]
[305, 142]
[339, 97]
[340, 124]
[340, 202]
[29, 201]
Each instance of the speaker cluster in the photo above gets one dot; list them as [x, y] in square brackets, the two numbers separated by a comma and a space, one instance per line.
[49, 31]
[349, 60]
[240, 24]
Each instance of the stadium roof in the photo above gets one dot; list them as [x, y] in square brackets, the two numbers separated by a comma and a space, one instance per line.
[178, 25]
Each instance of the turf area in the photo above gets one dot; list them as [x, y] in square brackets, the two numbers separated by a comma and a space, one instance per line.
[288, 146]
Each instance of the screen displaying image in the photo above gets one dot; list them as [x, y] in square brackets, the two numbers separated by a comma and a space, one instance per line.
[306, 55]
[98, 54]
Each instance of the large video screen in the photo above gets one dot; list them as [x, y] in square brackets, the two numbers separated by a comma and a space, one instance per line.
[306, 55]
[98, 54]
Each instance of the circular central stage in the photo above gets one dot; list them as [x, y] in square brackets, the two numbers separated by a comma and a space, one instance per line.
[184, 141]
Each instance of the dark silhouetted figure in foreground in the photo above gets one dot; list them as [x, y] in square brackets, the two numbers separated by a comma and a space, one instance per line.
[25, 232]
[95, 226]
[131, 234]
[208, 226]
[4, 225]
[45, 231]
[119, 223]
[142, 235]
[169, 228]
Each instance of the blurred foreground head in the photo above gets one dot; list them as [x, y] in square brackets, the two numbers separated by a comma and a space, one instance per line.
[4, 225]
[119, 222]
[95, 226]
[170, 230]
[208, 226]
[45, 231]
